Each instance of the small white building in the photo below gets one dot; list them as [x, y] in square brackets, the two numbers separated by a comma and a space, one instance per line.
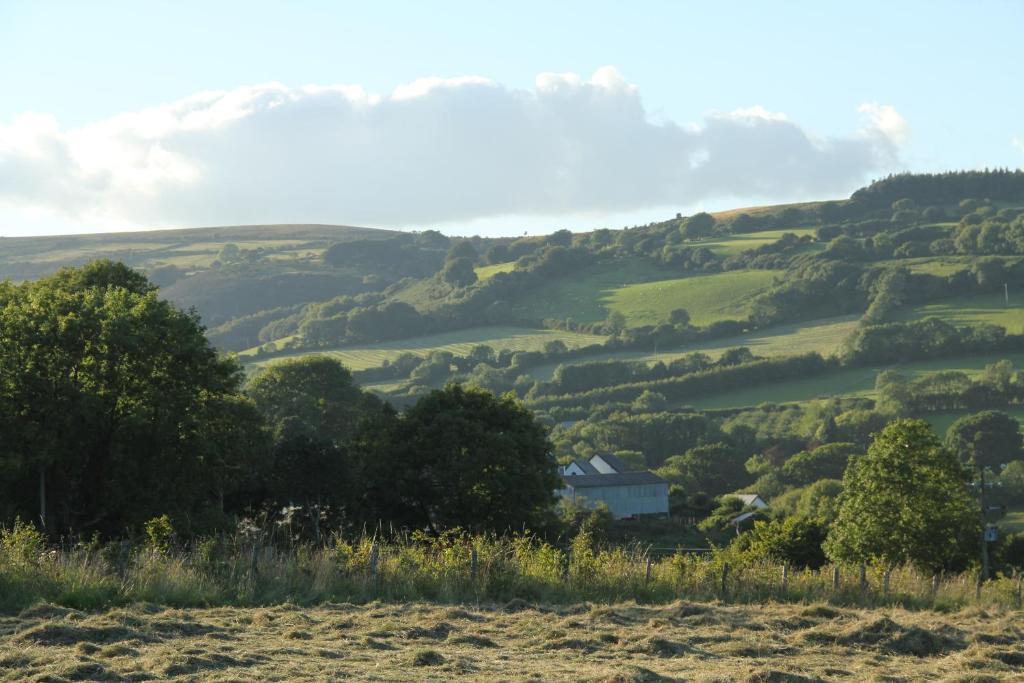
[606, 479]
[751, 500]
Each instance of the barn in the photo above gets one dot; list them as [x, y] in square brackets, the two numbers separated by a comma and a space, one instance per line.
[606, 479]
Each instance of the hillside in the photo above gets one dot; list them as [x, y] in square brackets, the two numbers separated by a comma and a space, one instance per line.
[787, 320]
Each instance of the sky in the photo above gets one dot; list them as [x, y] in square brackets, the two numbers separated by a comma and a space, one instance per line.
[489, 118]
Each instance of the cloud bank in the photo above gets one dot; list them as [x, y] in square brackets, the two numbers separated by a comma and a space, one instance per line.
[435, 150]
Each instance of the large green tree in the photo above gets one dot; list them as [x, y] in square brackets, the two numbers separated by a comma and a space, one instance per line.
[987, 439]
[118, 408]
[463, 457]
[315, 410]
[906, 501]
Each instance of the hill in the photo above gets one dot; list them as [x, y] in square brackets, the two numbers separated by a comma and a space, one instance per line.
[659, 339]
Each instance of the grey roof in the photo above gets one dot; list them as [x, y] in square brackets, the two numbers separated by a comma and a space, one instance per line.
[614, 462]
[585, 466]
[589, 481]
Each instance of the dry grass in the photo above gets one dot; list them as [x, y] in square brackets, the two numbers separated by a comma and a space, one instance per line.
[518, 641]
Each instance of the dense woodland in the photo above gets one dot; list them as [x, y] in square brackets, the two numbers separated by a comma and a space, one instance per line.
[121, 399]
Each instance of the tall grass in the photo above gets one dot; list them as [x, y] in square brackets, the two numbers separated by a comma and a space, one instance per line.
[453, 569]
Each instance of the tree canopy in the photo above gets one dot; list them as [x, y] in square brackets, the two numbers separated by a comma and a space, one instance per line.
[906, 501]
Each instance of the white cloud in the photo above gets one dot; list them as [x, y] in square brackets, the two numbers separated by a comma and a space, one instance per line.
[885, 118]
[435, 150]
[1018, 142]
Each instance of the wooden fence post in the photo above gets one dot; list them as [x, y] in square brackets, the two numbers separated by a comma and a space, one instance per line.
[885, 582]
[374, 558]
[863, 577]
[977, 588]
[935, 586]
[725, 577]
[835, 579]
[1019, 590]
[647, 570]
[473, 564]
[568, 566]
[785, 576]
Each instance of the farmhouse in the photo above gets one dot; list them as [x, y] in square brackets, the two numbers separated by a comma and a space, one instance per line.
[606, 479]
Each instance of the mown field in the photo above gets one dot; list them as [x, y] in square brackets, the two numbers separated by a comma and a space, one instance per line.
[734, 244]
[681, 641]
[459, 343]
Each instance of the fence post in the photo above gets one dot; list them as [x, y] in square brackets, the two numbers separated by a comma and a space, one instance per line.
[473, 564]
[647, 570]
[977, 588]
[885, 582]
[568, 565]
[1019, 590]
[835, 579]
[785, 576]
[935, 586]
[863, 577]
[374, 557]
[725, 577]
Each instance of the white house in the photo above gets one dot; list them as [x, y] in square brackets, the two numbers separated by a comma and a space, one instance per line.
[752, 500]
[606, 479]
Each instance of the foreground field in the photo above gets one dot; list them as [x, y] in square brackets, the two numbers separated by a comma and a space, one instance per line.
[422, 642]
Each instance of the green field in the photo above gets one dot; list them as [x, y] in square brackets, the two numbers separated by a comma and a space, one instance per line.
[824, 336]
[735, 244]
[849, 382]
[487, 272]
[708, 298]
[645, 294]
[941, 421]
[972, 310]
[1013, 522]
[459, 343]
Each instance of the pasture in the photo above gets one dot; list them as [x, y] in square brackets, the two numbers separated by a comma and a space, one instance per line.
[846, 382]
[645, 294]
[735, 244]
[824, 336]
[517, 641]
[989, 308]
[487, 272]
[459, 343]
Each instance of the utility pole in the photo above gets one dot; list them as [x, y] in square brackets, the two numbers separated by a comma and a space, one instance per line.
[1006, 292]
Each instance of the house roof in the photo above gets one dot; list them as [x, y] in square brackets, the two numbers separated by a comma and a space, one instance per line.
[589, 481]
[612, 461]
[750, 498]
[583, 465]
[739, 519]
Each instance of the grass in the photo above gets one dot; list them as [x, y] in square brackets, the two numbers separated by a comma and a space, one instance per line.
[645, 294]
[459, 343]
[1013, 522]
[941, 422]
[612, 643]
[708, 298]
[824, 336]
[735, 244]
[487, 272]
[972, 310]
[846, 382]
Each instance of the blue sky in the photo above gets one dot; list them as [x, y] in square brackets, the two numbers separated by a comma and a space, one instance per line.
[792, 101]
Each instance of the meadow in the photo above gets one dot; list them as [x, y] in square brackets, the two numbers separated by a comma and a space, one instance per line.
[845, 382]
[459, 343]
[991, 308]
[824, 336]
[646, 294]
